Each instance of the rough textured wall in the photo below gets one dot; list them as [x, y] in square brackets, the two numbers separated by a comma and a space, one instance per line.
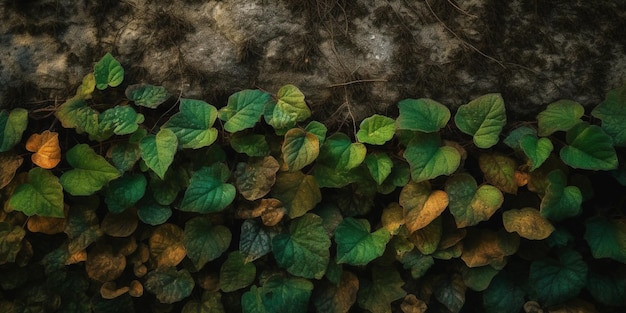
[352, 58]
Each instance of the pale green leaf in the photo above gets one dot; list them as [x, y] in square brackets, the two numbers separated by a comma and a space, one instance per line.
[147, 95]
[304, 250]
[243, 110]
[356, 245]
[158, 151]
[483, 118]
[556, 281]
[169, 285]
[208, 190]
[424, 115]
[204, 241]
[559, 116]
[376, 130]
[108, 72]
[90, 171]
[193, 123]
[589, 147]
[428, 159]
[289, 109]
[12, 125]
[300, 148]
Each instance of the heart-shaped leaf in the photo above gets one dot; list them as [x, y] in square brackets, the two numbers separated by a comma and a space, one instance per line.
[560, 201]
[12, 125]
[250, 144]
[450, 291]
[499, 171]
[278, 295]
[169, 285]
[91, 171]
[300, 148]
[503, 295]
[236, 273]
[421, 205]
[41, 195]
[204, 241]
[428, 238]
[255, 178]
[428, 159]
[158, 151]
[376, 130]
[483, 118]
[166, 246]
[76, 113]
[299, 193]
[9, 163]
[606, 238]
[244, 109]
[379, 165]
[385, 287]
[612, 112]
[124, 155]
[469, 203]
[108, 72]
[255, 241]
[356, 245]
[304, 250]
[589, 147]
[537, 150]
[514, 138]
[479, 278]
[193, 124]
[559, 116]
[124, 192]
[557, 281]
[47, 152]
[607, 289]
[485, 247]
[340, 153]
[120, 120]
[289, 109]
[318, 129]
[528, 223]
[147, 95]
[424, 115]
[208, 190]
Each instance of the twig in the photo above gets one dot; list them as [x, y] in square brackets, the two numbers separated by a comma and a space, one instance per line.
[359, 81]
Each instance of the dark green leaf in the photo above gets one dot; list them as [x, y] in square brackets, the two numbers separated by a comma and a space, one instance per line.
[385, 287]
[12, 125]
[417, 263]
[192, 125]
[606, 238]
[340, 153]
[278, 295]
[255, 240]
[250, 144]
[41, 195]
[124, 192]
[211, 302]
[560, 201]
[125, 155]
[589, 147]
[503, 295]
[243, 110]
[557, 281]
[10, 242]
[108, 72]
[479, 278]
[91, 171]
[607, 289]
[356, 245]
[153, 213]
[236, 273]
[339, 297]
[483, 118]
[208, 190]
[428, 159]
[205, 242]
[612, 112]
[318, 129]
[450, 291]
[147, 95]
[169, 285]
[304, 250]
[423, 115]
[514, 138]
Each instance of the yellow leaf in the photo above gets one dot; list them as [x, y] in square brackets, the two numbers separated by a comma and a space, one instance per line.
[109, 290]
[46, 225]
[528, 223]
[47, 152]
[421, 206]
[484, 247]
[9, 163]
[393, 218]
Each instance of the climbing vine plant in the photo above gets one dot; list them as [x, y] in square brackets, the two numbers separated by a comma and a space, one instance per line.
[254, 207]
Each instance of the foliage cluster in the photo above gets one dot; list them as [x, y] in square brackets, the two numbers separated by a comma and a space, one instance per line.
[253, 208]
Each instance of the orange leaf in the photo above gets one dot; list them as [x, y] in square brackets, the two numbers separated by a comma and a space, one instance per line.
[47, 152]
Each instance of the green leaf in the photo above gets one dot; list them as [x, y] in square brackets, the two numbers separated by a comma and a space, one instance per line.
[607, 289]
[503, 295]
[211, 302]
[298, 192]
[557, 281]
[483, 118]
[12, 125]
[205, 242]
[376, 130]
[428, 159]
[120, 120]
[606, 238]
[278, 295]
[124, 155]
[559, 201]
[424, 115]
[83, 225]
[91, 171]
[108, 72]
[537, 150]
[166, 190]
[560, 115]
[340, 153]
[153, 213]
[243, 110]
[499, 171]
[469, 203]
[385, 287]
[147, 95]
[41, 195]
[250, 144]
[300, 148]
[417, 263]
[193, 123]
[158, 151]
[514, 138]
[169, 285]
[356, 245]
[528, 223]
[76, 113]
[589, 147]
[612, 112]
[124, 192]
[379, 165]
[318, 129]
[10, 242]
[255, 240]
[255, 178]
[304, 250]
[236, 273]
[289, 109]
[208, 190]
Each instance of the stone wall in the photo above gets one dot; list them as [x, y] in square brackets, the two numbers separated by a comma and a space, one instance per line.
[351, 58]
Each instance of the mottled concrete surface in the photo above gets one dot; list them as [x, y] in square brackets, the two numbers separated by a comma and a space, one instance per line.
[352, 58]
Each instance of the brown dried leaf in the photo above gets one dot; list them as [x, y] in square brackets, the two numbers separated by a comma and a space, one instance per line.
[135, 289]
[166, 245]
[484, 247]
[77, 257]
[46, 225]
[109, 290]
[104, 265]
[412, 304]
[9, 163]
[47, 152]
[256, 178]
[120, 225]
